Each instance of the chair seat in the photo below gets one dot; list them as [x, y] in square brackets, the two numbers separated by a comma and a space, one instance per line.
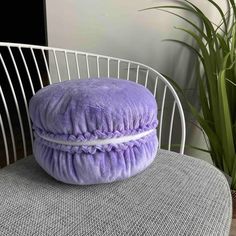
[176, 195]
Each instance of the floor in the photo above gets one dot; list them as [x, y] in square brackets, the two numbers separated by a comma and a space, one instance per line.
[233, 228]
[233, 225]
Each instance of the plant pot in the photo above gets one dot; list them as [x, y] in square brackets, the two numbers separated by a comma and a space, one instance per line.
[233, 194]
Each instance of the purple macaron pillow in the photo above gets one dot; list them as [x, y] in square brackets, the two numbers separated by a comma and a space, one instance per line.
[96, 130]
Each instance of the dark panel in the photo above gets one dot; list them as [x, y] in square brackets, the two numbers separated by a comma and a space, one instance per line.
[23, 22]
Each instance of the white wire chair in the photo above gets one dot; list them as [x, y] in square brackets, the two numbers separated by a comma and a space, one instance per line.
[24, 69]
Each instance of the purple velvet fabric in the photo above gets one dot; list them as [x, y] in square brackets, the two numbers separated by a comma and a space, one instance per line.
[90, 109]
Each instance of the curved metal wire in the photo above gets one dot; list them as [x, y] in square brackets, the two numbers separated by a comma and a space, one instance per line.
[56, 64]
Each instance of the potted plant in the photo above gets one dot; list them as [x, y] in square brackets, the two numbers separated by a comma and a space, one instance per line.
[215, 46]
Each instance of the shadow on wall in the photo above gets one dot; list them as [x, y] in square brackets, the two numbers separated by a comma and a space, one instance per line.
[183, 73]
[180, 69]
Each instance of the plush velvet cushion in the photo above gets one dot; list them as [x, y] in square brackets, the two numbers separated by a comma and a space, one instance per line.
[68, 115]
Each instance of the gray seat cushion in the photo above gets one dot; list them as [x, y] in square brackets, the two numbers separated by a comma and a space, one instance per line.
[176, 195]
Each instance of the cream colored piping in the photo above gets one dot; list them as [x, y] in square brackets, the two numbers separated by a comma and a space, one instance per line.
[118, 140]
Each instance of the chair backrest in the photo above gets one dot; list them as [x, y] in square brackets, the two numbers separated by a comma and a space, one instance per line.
[24, 69]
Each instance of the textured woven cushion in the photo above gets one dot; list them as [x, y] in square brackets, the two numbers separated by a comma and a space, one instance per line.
[92, 131]
[176, 195]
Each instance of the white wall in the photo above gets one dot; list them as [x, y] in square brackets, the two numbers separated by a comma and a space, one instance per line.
[114, 28]
[117, 28]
